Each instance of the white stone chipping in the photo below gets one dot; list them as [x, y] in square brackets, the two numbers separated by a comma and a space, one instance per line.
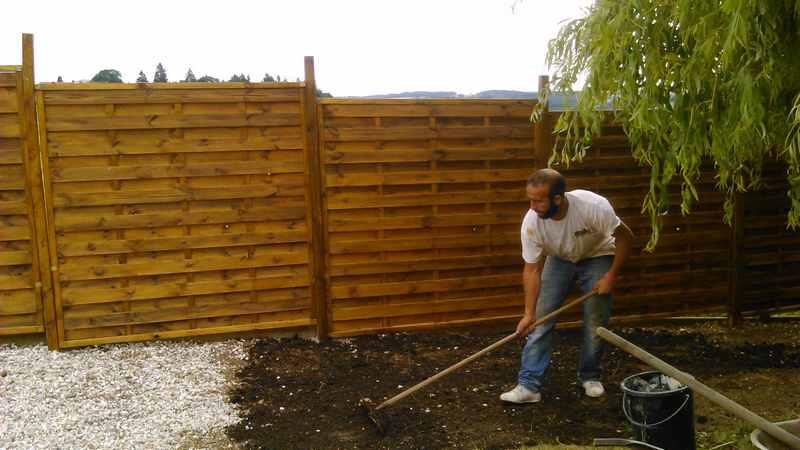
[143, 395]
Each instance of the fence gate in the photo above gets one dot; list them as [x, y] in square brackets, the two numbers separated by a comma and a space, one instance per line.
[175, 210]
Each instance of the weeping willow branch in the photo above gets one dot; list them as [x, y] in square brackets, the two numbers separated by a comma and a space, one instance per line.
[691, 82]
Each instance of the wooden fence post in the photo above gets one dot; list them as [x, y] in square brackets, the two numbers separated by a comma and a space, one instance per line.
[35, 194]
[314, 194]
[543, 129]
[736, 263]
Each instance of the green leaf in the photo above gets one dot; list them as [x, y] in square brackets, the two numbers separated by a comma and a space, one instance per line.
[694, 81]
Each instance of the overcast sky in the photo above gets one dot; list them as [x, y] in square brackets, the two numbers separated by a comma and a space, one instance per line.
[360, 47]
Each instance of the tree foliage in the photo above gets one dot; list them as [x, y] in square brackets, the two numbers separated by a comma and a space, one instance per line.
[240, 78]
[190, 78]
[161, 74]
[107, 76]
[691, 81]
[208, 79]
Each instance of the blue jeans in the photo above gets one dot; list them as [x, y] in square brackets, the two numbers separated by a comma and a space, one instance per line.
[558, 277]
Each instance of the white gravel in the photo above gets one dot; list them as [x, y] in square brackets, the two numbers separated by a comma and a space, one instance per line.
[144, 395]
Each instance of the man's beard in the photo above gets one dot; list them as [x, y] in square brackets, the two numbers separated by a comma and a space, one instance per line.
[551, 210]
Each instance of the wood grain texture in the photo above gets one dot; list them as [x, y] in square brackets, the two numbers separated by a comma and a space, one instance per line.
[425, 199]
[25, 295]
[185, 209]
[175, 193]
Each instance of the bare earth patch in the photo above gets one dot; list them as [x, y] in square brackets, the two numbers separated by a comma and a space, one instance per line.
[300, 394]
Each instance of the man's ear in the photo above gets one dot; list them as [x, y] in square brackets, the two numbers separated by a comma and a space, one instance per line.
[557, 199]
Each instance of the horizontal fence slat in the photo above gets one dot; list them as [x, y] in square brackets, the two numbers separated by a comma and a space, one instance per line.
[428, 221]
[521, 109]
[87, 296]
[8, 101]
[287, 211]
[153, 121]
[74, 199]
[444, 263]
[13, 279]
[334, 134]
[32, 329]
[411, 309]
[171, 96]
[401, 178]
[119, 246]
[11, 157]
[162, 86]
[205, 331]
[18, 302]
[165, 146]
[334, 156]
[355, 201]
[14, 233]
[175, 170]
[15, 257]
[96, 272]
[440, 242]
[9, 126]
[12, 208]
[8, 79]
[413, 287]
[771, 258]
[196, 312]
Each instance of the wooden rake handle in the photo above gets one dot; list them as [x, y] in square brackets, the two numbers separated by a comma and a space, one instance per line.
[696, 386]
[477, 355]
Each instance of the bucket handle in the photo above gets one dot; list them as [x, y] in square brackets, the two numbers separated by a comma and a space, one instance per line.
[644, 425]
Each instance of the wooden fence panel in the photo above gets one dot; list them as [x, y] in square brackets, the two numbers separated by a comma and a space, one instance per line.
[21, 305]
[424, 201]
[771, 252]
[176, 209]
[422, 210]
[192, 209]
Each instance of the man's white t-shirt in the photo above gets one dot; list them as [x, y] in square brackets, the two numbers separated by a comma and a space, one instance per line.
[585, 232]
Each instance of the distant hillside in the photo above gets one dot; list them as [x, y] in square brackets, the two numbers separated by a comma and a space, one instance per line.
[507, 94]
[418, 94]
[558, 102]
[450, 94]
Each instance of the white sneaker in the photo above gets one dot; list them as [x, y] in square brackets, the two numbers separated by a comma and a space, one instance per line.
[593, 388]
[521, 394]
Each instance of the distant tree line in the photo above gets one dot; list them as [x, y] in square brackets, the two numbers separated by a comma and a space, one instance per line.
[160, 76]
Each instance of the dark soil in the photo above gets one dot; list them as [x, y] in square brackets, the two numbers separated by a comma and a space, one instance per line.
[300, 394]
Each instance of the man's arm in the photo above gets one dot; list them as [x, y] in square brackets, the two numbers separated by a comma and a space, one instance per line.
[624, 240]
[531, 280]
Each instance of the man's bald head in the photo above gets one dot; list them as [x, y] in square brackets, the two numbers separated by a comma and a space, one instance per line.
[555, 182]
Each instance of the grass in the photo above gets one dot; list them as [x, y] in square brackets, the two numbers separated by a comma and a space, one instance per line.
[725, 439]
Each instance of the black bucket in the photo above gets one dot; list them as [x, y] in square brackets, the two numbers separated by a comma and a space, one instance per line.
[660, 410]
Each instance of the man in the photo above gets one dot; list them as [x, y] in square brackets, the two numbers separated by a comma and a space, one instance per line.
[566, 237]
